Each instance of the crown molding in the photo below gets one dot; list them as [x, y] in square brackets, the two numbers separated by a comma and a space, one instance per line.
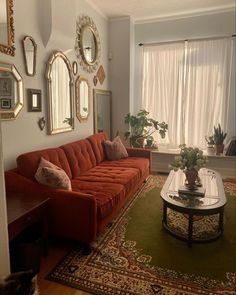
[187, 14]
[119, 18]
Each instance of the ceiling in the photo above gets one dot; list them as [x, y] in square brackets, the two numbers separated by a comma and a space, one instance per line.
[144, 10]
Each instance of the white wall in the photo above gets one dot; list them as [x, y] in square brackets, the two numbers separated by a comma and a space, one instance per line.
[54, 30]
[4, 254]
[120, 73]
[222, 24]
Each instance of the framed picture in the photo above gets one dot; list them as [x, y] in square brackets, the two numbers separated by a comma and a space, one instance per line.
[34, 100]
[5, 103]
[5, 86]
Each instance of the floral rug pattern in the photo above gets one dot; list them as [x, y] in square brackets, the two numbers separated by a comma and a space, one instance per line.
[115, 266]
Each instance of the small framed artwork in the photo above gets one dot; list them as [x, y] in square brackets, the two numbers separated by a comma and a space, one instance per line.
[5, 86]
[34, 100]
[5, 103]
[101, 74]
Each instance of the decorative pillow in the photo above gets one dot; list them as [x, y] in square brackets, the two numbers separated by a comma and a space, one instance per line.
[52, 175]
[115, 149]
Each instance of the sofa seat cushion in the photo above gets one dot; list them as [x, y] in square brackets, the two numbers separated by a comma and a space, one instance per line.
[141, 164]
[107, 195]
[128, 177]
[80, 156]
[27, 164]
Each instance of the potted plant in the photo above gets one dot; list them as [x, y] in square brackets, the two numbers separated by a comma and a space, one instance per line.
[210, 145]
[190, 160]
[219, 137]
[142, 127]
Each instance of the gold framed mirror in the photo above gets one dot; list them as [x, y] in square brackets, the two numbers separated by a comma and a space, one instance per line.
[87, 45]
[82, 97]
[29, 50]
[7, 35]
[59, 93]
[102, 111]
[11, 92]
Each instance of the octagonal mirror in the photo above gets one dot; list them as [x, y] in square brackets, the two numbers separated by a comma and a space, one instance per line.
[82, 96]
[11, 91]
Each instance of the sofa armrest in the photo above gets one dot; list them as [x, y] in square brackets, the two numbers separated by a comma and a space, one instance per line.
[16, 183]
[71, 214]
[139, 152]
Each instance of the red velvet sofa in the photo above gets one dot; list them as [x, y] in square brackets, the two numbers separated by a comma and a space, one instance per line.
[100, 188]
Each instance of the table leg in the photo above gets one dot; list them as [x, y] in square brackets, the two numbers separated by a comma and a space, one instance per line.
[190, 230]
[164, 219]
[221, 220]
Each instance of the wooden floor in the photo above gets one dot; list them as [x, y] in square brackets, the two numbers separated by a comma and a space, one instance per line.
[57, 250]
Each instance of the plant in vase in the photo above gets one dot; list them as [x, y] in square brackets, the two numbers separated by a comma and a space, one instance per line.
[142, 127]
[190, 160]
[210, 145]
[219, 136]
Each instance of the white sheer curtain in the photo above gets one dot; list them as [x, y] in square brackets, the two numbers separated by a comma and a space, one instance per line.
[187, 86]
[162, 87]
[206, 96]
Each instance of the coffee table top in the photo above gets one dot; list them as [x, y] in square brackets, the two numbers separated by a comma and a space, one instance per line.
[211, 180]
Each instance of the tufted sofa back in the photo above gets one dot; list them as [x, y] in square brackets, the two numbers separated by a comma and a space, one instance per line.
[80, 156]
[96, 142]
[75, 157]
[27, 164]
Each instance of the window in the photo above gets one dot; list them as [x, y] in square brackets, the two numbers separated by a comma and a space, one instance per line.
[186, 84]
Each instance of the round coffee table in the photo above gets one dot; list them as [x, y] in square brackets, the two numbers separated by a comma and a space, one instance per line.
[191, 204]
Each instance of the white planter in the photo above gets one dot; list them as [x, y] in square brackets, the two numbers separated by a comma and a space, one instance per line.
[210, 150]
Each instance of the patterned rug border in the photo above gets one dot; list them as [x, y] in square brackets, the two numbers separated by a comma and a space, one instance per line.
[105, 237]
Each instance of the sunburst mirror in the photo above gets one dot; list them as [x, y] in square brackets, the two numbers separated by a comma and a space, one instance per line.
[87, 45]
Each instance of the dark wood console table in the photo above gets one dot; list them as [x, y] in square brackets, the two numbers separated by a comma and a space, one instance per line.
[24, 210]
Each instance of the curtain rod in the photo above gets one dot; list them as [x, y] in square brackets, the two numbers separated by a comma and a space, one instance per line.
[175, 41]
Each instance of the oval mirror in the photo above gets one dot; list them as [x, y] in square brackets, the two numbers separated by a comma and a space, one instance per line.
[6, 27]
[82, 93]
[60, 93]
[88, 47]
[11, 92]
[29, 49]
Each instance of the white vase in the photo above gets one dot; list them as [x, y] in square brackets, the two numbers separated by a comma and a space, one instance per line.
[210, 150]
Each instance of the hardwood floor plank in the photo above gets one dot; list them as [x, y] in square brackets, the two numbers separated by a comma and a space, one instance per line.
[57, 250]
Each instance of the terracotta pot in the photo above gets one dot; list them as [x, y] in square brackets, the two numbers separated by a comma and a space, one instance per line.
[137, 141]
[219, 148]
[191, 176]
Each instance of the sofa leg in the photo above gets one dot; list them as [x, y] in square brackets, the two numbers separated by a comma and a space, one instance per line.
[87, 249]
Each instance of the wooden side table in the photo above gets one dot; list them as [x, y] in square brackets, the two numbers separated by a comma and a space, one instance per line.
[24, 210]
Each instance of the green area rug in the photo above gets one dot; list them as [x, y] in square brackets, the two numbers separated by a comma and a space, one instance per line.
[135, 255]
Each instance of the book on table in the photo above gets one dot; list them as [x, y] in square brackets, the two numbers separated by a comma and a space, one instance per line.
[192, 191]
